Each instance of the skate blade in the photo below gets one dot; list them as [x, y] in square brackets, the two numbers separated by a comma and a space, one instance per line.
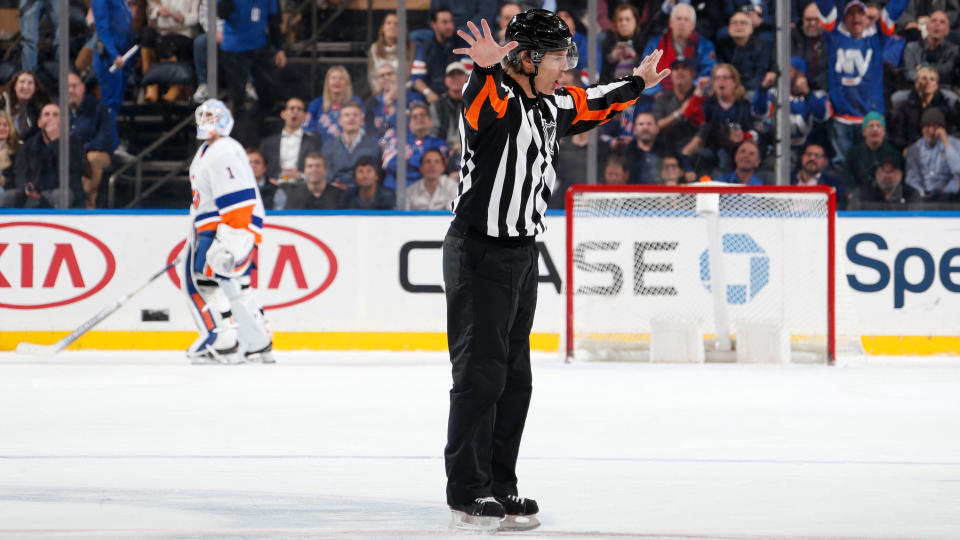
[460, 521]
[260, 358]
[215, 360]
[519, 523]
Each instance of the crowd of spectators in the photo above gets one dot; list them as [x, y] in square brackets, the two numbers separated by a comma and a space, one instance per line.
[874, 107]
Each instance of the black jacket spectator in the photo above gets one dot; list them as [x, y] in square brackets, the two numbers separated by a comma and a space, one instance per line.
[91, 124]
[905, 117]
[38, 164]
[268, 194]
[943, 59]
[719, 122]
[754, 59]
[923, 8]
[270, 146]
[934, 51]
[871, 197]
[824, 179]
[862, 160]
[384, 199]
[645, 165]
[619, 50]
[302, 198]
[808, 41]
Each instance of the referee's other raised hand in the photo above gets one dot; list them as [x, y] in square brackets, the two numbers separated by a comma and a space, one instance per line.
[647, 70]
[483, 49]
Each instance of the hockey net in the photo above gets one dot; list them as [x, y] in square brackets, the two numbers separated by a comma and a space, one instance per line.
[711, 272]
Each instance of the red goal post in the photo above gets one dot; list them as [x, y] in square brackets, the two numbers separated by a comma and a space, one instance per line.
[780, 237]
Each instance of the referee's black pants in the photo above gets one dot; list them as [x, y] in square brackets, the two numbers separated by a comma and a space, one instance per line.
[491, 289]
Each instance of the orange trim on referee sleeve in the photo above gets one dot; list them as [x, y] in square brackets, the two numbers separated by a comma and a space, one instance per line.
[239, 218]
[584, 113]
[489, 90]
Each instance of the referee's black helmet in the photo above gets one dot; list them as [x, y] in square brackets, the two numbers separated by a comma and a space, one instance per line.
[540, 31]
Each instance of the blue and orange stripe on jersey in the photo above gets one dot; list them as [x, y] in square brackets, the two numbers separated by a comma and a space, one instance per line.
[236, 210]
[207, 221]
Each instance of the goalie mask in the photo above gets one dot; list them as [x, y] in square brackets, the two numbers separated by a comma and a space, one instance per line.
[540, 31]
[213, 118]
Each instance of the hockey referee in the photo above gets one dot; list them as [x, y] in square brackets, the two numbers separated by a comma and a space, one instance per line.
[514, 109]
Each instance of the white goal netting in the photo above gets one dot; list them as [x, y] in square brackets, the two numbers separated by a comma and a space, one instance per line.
[703, 272]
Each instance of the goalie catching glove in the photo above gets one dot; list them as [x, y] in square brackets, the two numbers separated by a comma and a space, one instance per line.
[229, 254]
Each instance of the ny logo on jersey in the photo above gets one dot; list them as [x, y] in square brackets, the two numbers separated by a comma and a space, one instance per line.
[852, 65]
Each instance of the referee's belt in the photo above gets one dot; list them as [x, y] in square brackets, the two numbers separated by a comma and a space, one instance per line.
[463, 227]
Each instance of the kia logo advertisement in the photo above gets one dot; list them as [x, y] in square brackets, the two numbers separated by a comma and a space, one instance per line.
[40, 265]
[291, 267]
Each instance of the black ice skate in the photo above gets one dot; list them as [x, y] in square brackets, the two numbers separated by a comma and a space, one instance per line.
[263, 356]
[521, 513]
[481, 515]
[216, 348]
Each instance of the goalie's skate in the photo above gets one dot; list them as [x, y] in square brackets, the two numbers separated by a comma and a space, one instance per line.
[215, 348]
[521, 513]
[481, 515]
[263, 356]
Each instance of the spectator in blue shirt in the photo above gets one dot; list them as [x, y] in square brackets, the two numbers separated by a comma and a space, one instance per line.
[115, 37]
[90, 123]
[367, 193]
[419, 142]
[430, 64]
[645, 153]
[252, 47]
[747, 161]
[381, 108]
[933, 162]
[728, 122]
[342, 152]
[323, 113]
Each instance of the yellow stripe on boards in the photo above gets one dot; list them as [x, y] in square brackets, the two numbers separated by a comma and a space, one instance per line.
[405, 341]
[910, 345]
[286, 341]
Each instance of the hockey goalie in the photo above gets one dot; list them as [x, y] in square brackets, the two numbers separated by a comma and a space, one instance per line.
[226, 221]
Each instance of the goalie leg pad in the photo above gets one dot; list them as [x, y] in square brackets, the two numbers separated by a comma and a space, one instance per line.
[252, 328]
[210, 309]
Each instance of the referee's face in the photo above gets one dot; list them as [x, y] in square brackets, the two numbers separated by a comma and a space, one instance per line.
[552, 66]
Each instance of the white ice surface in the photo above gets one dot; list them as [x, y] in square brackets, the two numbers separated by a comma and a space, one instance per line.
[135, 445]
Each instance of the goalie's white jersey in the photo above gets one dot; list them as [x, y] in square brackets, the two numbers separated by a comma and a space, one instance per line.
[224, 189]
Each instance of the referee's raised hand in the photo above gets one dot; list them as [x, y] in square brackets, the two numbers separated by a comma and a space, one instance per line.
[483, 49]
[647, 70]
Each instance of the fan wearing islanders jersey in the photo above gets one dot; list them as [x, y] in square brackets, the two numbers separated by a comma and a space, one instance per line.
[226, 222]
[855, 70]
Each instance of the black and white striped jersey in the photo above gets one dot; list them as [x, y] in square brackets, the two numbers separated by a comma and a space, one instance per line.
[509, 146]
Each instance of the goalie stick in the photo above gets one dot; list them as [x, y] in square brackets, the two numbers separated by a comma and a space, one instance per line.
[50, 350]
